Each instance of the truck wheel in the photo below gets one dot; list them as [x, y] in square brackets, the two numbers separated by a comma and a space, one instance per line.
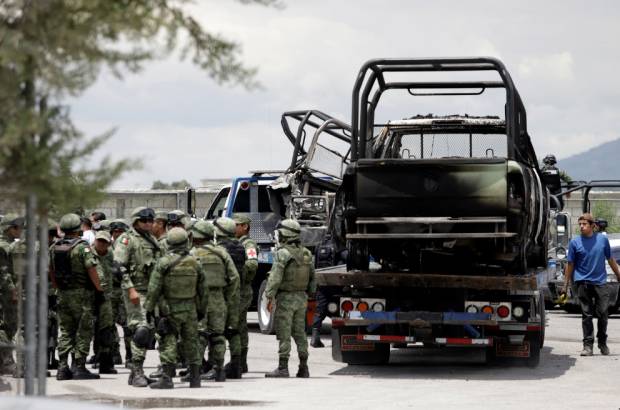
[543, 322]
[357, 255]
[265, 316]
[380, 354]
[535, 348]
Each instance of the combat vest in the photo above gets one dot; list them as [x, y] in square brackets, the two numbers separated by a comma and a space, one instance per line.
[212, 262]
[180, 278]
[145, 252]
[296, 274]
[67, 273]
[237, 252]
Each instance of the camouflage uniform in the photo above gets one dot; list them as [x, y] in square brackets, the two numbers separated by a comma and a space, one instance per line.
[137, 254]
[76, 300]
[225, 237]
[223, 294]
[179, 278]
[246, 294]
[105, 328]
[290, 281]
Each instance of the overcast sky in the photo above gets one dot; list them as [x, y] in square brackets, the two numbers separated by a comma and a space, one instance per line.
[564, 58]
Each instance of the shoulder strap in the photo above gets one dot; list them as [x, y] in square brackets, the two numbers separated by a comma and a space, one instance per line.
[178, 260]
[150, 240]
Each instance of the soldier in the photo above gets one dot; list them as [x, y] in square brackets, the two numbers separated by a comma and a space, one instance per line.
[242, 232]
[290, 281]
[105, 328]
[136, 253]
[178, 219]
[117, 228]
[73, 272]
[10, 229]
[223, 294]
[181, 281]
[52, 313]
[159, 225]
[225, 236]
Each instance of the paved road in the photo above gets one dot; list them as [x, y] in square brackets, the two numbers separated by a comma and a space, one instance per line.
[564, 380]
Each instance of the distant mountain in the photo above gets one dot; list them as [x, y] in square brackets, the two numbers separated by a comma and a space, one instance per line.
[600, 162]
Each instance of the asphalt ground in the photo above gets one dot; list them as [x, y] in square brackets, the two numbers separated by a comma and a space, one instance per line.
[452, 380]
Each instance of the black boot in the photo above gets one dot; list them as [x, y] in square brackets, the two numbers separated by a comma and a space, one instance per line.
[316, 338]
[64, 373]
[165, 381]
[137, 377]
[281, 371]
[216, 373]
[194, 373]
[303, 368]
[81, 372]
[157, 373]
[244, 360]
[106, 365]
[116, 358]
[233, 368]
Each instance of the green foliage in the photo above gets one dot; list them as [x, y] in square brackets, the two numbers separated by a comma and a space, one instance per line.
[606, 210]
[50, 49]
[182, 184]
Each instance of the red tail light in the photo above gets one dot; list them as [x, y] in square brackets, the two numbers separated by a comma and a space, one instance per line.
[503, 311]
[347, 306]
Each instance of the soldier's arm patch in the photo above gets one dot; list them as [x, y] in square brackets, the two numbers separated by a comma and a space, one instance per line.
[251, 253]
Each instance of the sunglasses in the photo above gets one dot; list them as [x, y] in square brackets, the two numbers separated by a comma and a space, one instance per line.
[145, 220]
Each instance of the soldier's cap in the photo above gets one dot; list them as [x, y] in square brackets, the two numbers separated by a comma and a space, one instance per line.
[161, 215]
[102, 225]
[104, 235]
[241, 219]
[11, 220]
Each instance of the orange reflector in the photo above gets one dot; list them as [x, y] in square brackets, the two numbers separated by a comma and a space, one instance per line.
[347, 306]
[362, 306]
[487, 309]
[503, 311]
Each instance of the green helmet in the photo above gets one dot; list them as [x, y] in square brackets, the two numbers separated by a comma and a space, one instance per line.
[177, 217]
[70, 223]
[203, 229]
[241, 219]
[224, 227]
[10, 220]
[142, 212]
[289, 230]
[177, 237]
[103, 225]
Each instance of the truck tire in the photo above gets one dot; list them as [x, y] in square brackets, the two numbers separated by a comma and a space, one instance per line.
[357, 255]
[380, 354]
[543, 322]
[265, 316]
[534, 339]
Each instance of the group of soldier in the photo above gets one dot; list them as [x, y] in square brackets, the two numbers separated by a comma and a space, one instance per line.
[169, 280]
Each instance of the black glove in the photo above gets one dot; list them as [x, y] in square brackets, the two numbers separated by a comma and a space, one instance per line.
[99, 298]
[150, 317]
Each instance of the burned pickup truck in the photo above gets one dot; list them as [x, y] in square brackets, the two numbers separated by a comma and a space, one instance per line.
[443, 221]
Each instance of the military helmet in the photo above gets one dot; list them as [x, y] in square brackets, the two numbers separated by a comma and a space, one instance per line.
[176, 237]
[289, 229]
[203, 229]
[70, 223]
[241, 219]
[142, 212]
[550, 160]
[103, 225]
[177, 217]
[118, 224]
[10, 220]
[225, 227]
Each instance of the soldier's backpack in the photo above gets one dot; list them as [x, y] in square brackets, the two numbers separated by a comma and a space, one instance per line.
[237, 253]
[62, 262]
